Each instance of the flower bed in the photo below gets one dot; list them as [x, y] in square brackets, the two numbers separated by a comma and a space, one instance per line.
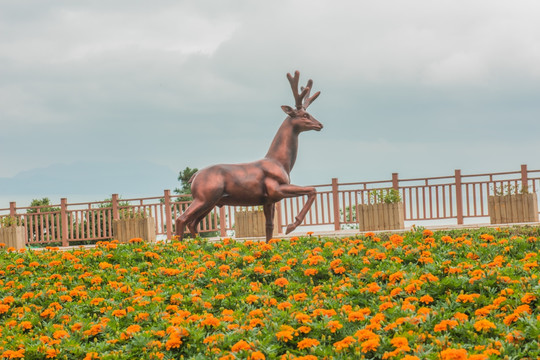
[419, 295]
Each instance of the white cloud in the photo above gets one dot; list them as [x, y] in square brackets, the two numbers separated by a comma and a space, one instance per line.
[156, 80]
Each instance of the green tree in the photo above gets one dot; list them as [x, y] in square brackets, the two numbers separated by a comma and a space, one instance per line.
[46, 227]
[184, 176]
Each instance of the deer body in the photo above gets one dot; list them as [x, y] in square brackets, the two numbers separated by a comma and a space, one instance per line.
[263, 182]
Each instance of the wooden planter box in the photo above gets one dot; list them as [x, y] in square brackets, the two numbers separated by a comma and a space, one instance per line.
[127, 229]
[13, 236]
[381, 216]
[515, 208]
[251, 223]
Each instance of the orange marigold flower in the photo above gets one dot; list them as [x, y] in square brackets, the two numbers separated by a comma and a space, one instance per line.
[445, 325]
[94, 330]
[250, 299]
[284, 335]
[400, 343]
[358, 315]
[373, 287]
[510, 319]
[241, 345]
[528, 298]
[345, 343]
[26, 325]
[210, 321]
[132, 329]
[119, 313]
[364, 334]
[91, 356]
[4, 308]
[302, 318]
[396, 239]
[281, 282]
[334, 325]
[284, 305]
[427, 232]
[484, 325]
[461, 317]
[59, 334]
[174, 342]
[307, 342]
[52, 353]
[304, 329]
[310, 272]
[478, 357]
[256, 355]
[465, 298]
[453, 354]
[370, 345]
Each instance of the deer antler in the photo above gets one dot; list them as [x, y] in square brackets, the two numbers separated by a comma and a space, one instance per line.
[304, 94]
[308, 100]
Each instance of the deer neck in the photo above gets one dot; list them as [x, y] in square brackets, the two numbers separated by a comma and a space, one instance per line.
[284, 147]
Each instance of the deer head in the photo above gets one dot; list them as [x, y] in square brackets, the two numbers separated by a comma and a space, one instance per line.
[299, 117]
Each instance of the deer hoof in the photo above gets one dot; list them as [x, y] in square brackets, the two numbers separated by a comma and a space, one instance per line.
[290, 228]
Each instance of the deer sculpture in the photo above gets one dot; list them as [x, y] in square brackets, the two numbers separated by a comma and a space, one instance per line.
[263, 182]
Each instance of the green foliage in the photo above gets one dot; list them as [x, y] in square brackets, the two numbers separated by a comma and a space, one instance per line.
[133, 214]
[184, 176]
[8, 221]
[44, 206]
[509, 189]
[387, 196]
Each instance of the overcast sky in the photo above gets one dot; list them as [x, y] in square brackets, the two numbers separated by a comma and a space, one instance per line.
[415, 87]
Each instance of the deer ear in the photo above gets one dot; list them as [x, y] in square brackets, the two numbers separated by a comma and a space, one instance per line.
[287, 110]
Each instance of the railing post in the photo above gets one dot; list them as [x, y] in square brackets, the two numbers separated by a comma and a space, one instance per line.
[395, 181]
[12, 208]
[524, 178]
[114, 201]
[168, 214]
[335, 199]
[278, 217]
[64, 221]
[222, 222]
[459, 197]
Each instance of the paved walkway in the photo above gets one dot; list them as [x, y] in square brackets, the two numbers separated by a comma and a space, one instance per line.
[340, 233]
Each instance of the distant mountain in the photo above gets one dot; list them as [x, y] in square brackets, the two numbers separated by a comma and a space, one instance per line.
[129, 178]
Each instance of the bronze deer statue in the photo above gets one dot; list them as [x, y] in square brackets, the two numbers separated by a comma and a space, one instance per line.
[263, 182]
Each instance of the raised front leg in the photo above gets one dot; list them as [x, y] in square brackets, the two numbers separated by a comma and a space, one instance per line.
[269, 217]
[284, 191]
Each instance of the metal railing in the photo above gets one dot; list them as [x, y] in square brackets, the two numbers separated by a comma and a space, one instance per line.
[453, 198]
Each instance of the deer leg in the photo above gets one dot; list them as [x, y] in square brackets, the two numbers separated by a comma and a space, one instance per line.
[195, 223]
[189, 216]
[288, 191]
[269, 216]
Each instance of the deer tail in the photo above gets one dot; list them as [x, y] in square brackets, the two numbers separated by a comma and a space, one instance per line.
[192, 177]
